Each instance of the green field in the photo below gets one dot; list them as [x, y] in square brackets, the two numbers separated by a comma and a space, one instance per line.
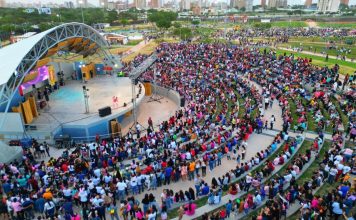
[286, 24]
[345, 66]
[320, 47]
[337, 24]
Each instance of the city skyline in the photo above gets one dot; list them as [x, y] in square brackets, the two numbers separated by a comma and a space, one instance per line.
[97, 2]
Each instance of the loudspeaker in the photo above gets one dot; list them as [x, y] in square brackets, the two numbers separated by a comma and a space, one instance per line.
[105, 111]
[182, 102]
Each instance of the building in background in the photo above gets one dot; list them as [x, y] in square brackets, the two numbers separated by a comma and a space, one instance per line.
[2, 3]
[69, 4]
[308, 3]
[277, 4]
[103, 3]
[263, 3]
[345, 2]
[141, 4]
[156, 4]
[328, 5]
[82, 3]
[196, 10]
[248, 5]
[185, 5]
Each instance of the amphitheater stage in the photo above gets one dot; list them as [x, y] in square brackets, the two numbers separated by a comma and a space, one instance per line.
[66, 112]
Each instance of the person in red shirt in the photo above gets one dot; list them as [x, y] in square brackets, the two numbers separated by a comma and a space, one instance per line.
[222, 214]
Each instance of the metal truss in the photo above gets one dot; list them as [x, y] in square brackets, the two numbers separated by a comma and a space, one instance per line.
[40, 49]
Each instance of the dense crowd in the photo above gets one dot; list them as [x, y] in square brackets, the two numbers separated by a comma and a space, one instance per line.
[94, 178]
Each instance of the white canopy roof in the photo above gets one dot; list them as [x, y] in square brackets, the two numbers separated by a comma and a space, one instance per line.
[12, 55]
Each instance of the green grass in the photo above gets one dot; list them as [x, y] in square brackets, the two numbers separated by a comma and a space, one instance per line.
[326, 116]
[343, 116]
[320, 47]
[316, 164]
[286, 24]
[203, 200]
[337, 25]
[345, 66]
[133, 42]
[301, 150]
[312, 126]
[293, 112]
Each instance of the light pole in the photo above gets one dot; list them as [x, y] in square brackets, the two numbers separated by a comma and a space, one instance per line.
[81, 8]
[59, 18]
[86, 99]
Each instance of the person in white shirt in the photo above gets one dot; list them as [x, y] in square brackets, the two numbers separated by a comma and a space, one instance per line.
[346, 169]
[121, 187]
[97, 201]
[332, 174]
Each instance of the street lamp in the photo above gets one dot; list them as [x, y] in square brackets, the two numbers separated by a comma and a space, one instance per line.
[86, 99]
[59, 18]
[81, 8]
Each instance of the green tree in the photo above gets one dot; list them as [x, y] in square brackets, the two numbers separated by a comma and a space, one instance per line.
[177, 25]
[183, 33]
[195, 22]
[163, 23]
[124, 22]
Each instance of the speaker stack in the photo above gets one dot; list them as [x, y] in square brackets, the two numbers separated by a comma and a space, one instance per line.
[105, 111]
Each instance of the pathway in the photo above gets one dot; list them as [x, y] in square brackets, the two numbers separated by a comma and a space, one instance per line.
[316, 54]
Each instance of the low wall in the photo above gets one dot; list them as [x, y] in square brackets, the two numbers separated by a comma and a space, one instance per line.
[169, 93]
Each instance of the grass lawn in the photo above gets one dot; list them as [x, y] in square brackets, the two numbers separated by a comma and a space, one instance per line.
[337, 24]
[133, 42]
[147, 49]
[344, 117]
[321, 48]
[285, 24]
[119, 50]
[345, 66]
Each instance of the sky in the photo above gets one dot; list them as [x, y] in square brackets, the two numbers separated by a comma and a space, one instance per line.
[96, 2]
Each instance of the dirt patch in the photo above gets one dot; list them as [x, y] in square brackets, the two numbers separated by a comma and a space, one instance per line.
[311, 23]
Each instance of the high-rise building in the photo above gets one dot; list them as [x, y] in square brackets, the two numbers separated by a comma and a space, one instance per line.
[140, 4]
[345, 2]
[263, 3]
[155, 4]
[185, 5]
[249, 5]
[277, 4]
[103, 3]
[328, 5]
[69, 4]
[2, 3]
[82, 3]
[308, 3]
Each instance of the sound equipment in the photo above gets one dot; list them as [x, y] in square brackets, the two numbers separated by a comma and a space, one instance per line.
[105, 111]
[182, 102]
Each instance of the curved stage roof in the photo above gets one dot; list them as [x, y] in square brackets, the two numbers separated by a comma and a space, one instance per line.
[18, 59]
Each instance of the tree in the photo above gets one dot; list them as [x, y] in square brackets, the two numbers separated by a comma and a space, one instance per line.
[177, 25]
[243, 9]
[163, 23]
[195, 22]
[124, 22]
[183, 33]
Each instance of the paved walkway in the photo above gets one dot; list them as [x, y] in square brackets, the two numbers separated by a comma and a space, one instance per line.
[316, 54]
[258, 140]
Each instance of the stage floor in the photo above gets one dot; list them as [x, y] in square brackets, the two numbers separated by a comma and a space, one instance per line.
[66, 105]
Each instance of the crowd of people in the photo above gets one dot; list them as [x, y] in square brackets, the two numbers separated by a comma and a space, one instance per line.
[97, 178]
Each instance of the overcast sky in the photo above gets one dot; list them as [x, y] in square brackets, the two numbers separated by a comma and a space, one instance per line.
[96, 2]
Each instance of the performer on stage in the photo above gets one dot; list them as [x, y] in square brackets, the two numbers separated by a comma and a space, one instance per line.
[115, 101]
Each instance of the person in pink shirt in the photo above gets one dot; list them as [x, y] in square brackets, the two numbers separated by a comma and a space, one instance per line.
[16, 206]
[190, 209]
[315, 203]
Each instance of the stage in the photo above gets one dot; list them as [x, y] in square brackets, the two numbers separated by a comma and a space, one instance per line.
[66, 111]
